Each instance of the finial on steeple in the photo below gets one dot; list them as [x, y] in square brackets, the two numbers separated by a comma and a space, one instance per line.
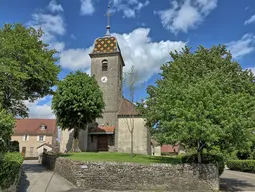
[108, 14]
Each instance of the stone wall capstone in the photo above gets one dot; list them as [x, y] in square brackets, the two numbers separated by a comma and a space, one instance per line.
[138, 177]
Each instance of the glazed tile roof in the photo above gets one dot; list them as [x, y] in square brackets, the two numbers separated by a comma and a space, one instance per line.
[32, 126]
[107, 44]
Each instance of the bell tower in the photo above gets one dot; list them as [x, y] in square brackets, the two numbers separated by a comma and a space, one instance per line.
[106, 66]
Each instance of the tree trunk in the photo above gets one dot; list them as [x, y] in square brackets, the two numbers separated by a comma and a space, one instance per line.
[132, 134]
[199, 152]
[199, 157]
[132, 144]
[75, 146]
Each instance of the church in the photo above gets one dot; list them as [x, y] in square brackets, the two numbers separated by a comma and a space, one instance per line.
[112, 131]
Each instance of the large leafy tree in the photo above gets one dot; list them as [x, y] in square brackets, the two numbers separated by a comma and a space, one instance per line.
[27, 69]
[203, 99]
[77, 102]
[7, 124]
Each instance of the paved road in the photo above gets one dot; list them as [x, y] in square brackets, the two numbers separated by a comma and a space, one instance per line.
[35, 178]
[237, 181]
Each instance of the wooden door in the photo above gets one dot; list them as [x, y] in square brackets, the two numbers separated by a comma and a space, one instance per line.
[102, 142]
[23, 152]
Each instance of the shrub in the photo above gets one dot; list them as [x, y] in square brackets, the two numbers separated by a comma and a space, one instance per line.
[242, 155]
[9, 146]
[207, 158]
[10, 165]
[242, 165]
[14, 146]
[252, 156]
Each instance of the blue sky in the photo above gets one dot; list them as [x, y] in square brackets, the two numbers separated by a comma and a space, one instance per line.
[147, 30]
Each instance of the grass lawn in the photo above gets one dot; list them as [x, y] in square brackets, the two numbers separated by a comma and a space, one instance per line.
[121, 157]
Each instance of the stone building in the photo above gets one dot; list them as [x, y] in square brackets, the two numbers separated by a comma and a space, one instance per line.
[111, 133]
[35, 136]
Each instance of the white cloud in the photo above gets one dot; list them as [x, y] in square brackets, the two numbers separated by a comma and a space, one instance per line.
[128, 7]
[40, 111]
[74, 59]
[54, 7]
[186, 15]
[250, 20]
[137, 49]
[52, 25]
[243, 46]
[87, 7]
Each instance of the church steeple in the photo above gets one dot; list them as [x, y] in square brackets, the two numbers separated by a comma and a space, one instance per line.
[108, 27]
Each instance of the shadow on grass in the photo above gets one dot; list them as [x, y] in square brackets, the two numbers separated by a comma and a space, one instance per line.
[231, 184]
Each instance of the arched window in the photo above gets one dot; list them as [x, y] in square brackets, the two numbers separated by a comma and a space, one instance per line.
[104, 65]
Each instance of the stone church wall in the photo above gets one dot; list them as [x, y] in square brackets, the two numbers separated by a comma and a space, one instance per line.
[141, 136]
[138, 177]
[66, 140]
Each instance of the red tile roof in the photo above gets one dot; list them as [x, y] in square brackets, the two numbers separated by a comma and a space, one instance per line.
[32, 126]
[128, 108]
[169, 149]
[103, 129]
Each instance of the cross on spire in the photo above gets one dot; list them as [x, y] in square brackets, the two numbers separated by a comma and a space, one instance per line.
[108, 14]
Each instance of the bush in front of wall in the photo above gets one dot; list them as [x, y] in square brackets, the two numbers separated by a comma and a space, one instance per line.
[216, 159]
[14, 146]
[242, 165]
[10, 166]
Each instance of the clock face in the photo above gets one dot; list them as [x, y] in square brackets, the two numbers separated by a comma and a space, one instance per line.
[104, 79]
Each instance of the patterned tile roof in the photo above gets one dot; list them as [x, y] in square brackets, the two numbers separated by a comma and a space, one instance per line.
[107, 44]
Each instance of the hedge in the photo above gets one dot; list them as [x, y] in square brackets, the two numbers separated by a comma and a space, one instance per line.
[207, 158]
[10, 166]
[242, 165]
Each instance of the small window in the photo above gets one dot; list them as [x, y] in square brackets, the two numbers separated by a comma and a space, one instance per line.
[43, 127]
[104, 65]
[25, 138]
[41, 137]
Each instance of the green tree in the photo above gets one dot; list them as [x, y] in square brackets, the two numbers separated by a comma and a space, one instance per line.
[203, 99]
[77, 102]
[27, 69]
[7, 124]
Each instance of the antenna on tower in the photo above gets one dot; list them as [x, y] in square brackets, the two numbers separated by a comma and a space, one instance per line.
[108, 14]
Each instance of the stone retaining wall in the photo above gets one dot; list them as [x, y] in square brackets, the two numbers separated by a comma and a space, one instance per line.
[140, 177]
